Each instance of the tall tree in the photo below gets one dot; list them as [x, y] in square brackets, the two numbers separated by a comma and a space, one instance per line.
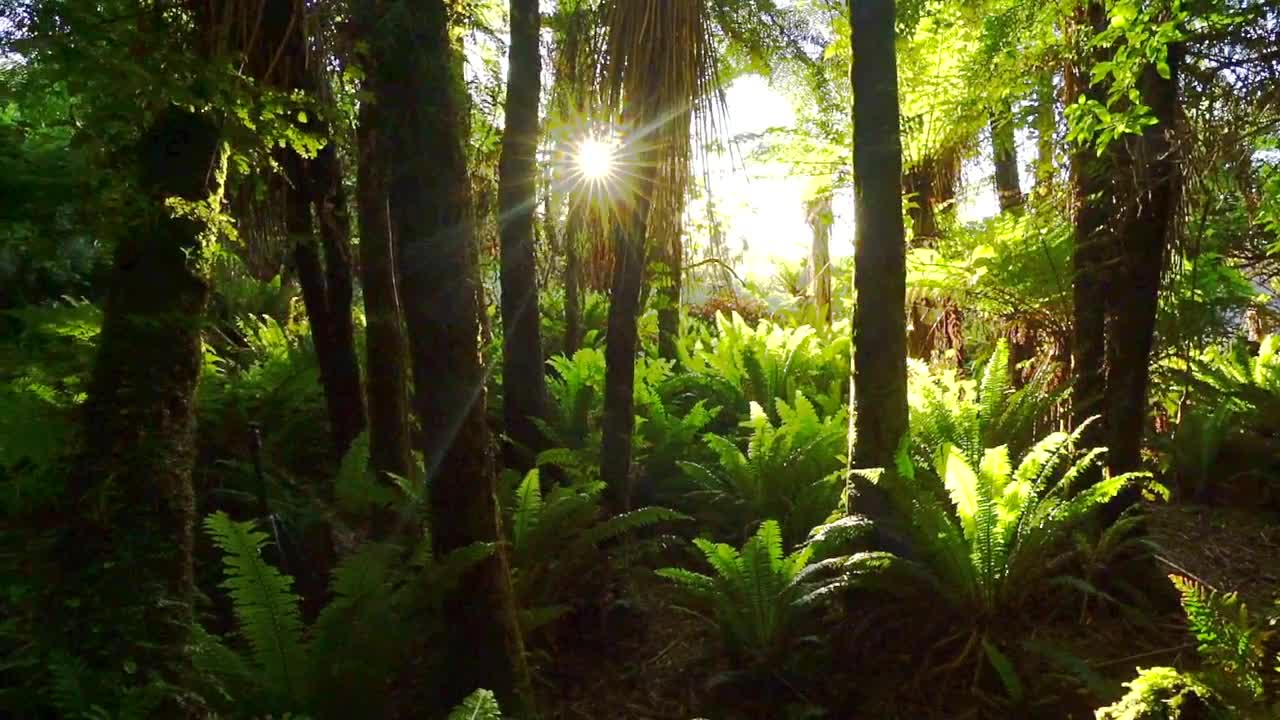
[386, 349]
[1148, 173]
[880, 268]
[1091, 176]
[818, 214]
[660, 64]
[136, 505]
[424, 99]
[523, 374]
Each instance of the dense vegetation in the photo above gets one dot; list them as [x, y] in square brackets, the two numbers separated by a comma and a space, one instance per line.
[389, 359]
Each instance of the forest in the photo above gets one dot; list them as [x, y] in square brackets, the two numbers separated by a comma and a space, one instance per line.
[646, 359]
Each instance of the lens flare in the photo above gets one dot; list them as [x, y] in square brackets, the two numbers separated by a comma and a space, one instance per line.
[595, 159]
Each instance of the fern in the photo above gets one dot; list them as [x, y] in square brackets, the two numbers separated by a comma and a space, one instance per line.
[1232, 685]
[479, 705]
[266, 608]
[756, 595]
[557, 536]
[792, 470]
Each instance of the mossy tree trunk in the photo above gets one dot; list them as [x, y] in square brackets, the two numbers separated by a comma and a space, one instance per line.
[523, 375]
[818, 213]
[128, 541]
[424, 101]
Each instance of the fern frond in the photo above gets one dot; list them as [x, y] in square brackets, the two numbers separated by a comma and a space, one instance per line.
[479, 705]
[265, 605]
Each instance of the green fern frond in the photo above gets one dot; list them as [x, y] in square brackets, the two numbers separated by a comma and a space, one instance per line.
[265, 605]
[479, 705]
[1227, 637]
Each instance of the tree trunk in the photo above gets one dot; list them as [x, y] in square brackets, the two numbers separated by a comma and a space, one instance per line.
[345, 397]
[386, 350]
[879, 323]
[523, 374]
[672, 261]
[1046, 130]
[818, 212]
[423, 97]
[1134, 297]
[1092, 194]
[621, 338]
[573, 277]
[133, 502]
[1005, 155]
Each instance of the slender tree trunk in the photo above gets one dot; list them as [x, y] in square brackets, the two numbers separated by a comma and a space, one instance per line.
[879, 323]
[818, 212]
[672, 261]
[429, 187]
[622, 341]
[1092, 193]
[523, 375]
[386, 349]
[329, 199]
[1046, 131]
[1134, 298]
[573, 234]
[133, 502]
[1005, 154]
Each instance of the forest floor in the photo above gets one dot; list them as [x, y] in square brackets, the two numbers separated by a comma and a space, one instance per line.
[657, 661]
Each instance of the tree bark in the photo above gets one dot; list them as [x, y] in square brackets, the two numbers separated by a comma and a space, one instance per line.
[523, 374]
[1134, 299]
[424, 99]
[879, 322]
[386, 350]
[621, 338]
[345, 396]
[672, 261]
[133, 506]
[573, 277]
[818, 213]
[1046, 130]
[1004, 150]
[1092, 195]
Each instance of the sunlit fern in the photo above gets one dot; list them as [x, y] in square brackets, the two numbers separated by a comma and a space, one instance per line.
[753, 595]
[792, 469]
[1238, 676]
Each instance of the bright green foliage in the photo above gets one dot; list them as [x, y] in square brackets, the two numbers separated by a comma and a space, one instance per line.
[792, 469]
[773, 361]
[973, 415]
[754, 596]
[987, 537]
[479, 705]
[1250, 383]
[557, 537]
[1235, 679]
[46, 364]
[576, 387]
